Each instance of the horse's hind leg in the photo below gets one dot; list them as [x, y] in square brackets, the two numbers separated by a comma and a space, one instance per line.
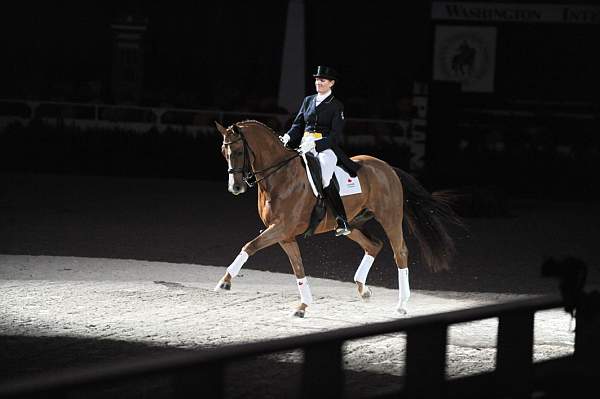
[293, 252]
[371, 246]
[393, 229]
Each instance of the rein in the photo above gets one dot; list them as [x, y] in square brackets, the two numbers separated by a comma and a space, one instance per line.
[247, 170]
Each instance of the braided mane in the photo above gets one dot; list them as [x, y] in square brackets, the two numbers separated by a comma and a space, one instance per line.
[253, 121]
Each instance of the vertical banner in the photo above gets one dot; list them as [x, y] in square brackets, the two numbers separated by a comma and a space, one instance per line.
[292, 80]
[465, 54]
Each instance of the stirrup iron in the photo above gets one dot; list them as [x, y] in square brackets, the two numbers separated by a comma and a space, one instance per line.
[343, 229]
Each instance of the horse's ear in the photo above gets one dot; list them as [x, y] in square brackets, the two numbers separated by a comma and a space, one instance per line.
[221, 128]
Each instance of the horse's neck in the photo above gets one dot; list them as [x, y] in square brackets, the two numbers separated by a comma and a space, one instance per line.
[268, 153]
[266, 148]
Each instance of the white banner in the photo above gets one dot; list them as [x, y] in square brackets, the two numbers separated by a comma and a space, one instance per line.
[508, 12]
[466, 54]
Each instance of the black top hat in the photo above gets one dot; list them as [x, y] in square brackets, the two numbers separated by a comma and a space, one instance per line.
[326, 72]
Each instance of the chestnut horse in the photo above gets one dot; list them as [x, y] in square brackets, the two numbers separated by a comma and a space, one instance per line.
[255, 155]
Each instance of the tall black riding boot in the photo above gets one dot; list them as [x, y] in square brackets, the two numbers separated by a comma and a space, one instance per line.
[335, 201]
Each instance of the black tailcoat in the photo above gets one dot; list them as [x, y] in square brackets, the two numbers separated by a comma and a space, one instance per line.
[328, 119]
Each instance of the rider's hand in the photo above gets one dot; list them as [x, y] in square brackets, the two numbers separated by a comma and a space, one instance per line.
[307, 146]
[285, 138]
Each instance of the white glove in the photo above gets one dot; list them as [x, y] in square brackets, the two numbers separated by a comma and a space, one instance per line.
[285, 138]
[307, 146]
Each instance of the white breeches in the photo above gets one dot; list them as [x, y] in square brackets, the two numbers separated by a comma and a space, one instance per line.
[328, 160]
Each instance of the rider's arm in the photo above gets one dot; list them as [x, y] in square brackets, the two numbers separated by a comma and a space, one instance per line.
[297, 129]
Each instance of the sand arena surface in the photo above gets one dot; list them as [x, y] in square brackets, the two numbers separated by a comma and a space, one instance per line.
[173, 305]
[96, 269]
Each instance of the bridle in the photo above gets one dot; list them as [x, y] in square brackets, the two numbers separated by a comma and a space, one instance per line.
[248, 176]
[247, 169]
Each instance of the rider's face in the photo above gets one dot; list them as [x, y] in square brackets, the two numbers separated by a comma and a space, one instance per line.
[323, 85]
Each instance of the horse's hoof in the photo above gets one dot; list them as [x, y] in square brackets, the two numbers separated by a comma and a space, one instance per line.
[402, 310]
[366, 294]
[298, 313]
[223, 286]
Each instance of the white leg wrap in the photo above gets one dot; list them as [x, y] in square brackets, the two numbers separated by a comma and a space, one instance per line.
[403, 290]
[363, 269]
[237, 264]
[305, 294]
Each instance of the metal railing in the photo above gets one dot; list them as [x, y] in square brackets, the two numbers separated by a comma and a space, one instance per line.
[515, 375]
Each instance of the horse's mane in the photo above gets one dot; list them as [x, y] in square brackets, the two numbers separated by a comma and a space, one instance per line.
[273, 132]
[267, 128]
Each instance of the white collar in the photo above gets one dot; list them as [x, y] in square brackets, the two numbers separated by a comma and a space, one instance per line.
[321, 97]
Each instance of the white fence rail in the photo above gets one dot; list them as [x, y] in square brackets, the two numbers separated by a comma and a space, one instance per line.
[193, 121]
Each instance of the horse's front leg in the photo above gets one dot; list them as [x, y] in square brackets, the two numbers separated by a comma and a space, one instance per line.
[293, 252]
[268, 237]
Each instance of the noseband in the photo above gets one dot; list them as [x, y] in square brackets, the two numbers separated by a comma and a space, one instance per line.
[247, 170]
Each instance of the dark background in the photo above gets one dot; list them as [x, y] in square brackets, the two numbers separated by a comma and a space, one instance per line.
[539, 137]
[223, 54]
[528, 172]
[539, 143]
[228, 53]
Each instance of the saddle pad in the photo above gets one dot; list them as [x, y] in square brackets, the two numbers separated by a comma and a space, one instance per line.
[348, 185]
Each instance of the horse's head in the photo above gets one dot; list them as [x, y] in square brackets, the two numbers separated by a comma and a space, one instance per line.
[253, 153]
[236, 153]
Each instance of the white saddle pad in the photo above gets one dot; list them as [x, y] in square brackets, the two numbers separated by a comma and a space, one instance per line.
[348, 185]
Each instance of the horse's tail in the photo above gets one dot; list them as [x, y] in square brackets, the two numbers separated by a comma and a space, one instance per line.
[426, 216]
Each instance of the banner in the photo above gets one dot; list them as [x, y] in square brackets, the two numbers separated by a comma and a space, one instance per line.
[516, 12]
[465, 54]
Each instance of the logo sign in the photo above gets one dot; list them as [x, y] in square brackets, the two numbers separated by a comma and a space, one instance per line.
[466, 54]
